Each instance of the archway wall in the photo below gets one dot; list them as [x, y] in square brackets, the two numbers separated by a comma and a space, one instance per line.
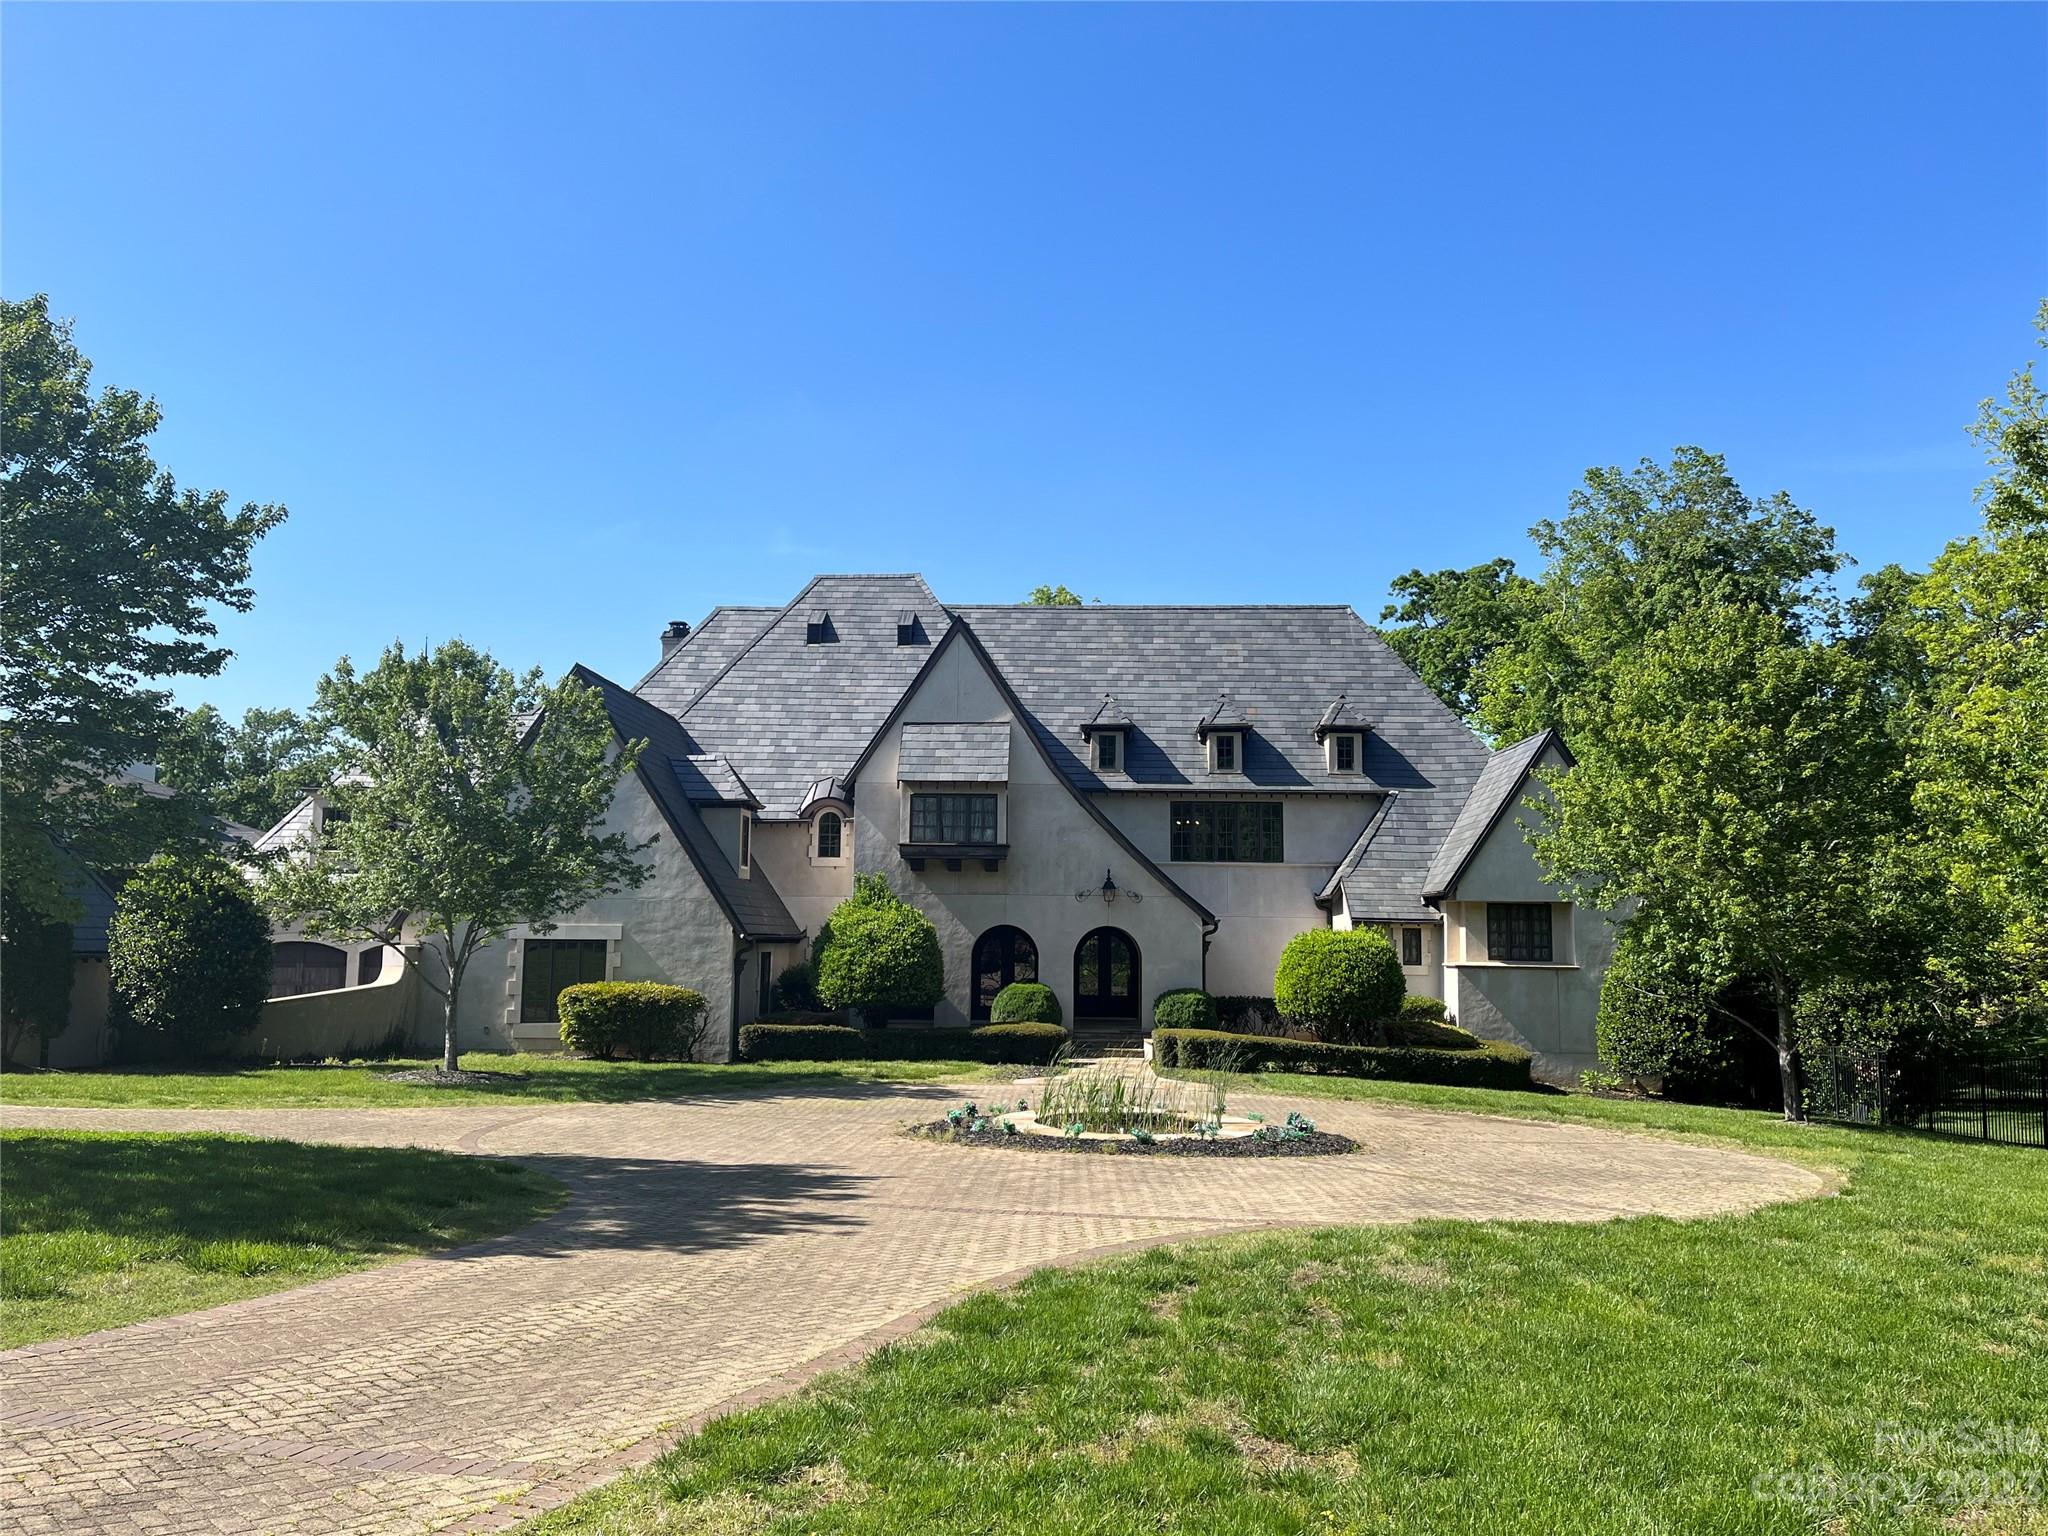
[1055, 850]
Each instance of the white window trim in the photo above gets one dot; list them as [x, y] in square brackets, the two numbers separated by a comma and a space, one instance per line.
[1122, 748]
[515, 968]
[1357, 768]
[746, 870]
[1236, 755]
[845, 838]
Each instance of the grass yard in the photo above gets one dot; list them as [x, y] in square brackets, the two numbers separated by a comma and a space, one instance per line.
[1874, 1361]
[98, 1229]
[558, 1079]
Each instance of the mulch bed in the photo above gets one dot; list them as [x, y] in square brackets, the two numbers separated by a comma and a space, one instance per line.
[434, 1077]
[1315, 1144]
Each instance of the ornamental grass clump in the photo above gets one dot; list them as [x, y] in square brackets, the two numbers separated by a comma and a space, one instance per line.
[1120, 1102]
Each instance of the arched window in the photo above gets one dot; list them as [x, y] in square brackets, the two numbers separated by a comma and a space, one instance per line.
[829, 832]
[1001, 956]
[298, 966]
[1107, 980]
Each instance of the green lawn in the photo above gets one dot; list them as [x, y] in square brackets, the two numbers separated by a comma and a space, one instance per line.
[554, 1078]
[1643, 1376]
[100, 1229]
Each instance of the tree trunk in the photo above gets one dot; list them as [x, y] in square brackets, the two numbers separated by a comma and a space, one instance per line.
[456, 966]
[1788, 1052]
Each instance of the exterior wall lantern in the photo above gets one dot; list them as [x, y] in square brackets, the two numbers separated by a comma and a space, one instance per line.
[1109, 891]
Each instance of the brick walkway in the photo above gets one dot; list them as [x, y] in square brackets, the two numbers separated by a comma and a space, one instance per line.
[714, 1252]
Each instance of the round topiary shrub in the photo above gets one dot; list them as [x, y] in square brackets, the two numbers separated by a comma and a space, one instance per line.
[1342, 984]
[796, 989]
[1025, 1002]
[878, 953]
[1184, 1008]
[188, 954]
[645, 1019]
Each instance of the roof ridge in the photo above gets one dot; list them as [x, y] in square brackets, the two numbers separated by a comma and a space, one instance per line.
[719, 676]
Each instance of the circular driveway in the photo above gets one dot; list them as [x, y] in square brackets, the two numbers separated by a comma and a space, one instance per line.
[714, 1251]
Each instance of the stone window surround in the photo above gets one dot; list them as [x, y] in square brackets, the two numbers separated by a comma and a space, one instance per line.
[938, 787]
[515, 968]
[1357, 740]
[1236, 740]
[845, 854]
[1121, 765]
[1471, 920]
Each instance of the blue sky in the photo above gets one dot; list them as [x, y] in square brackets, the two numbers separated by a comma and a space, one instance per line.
[550, 324]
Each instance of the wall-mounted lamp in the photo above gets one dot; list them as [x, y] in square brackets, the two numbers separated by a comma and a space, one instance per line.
[1109, 891]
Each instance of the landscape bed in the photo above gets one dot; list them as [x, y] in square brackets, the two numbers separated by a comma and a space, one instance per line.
[1314, 1143]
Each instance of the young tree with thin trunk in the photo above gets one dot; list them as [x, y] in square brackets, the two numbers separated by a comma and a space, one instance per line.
[459, 813]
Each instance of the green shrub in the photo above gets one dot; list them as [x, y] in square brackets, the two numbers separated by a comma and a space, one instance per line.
[796, 989]
[1420, 1021]
[1184, 1008]
[1489, 1064]
[1025, 1002]
[188, 954]
[802, 1042]
[1341, 983]
[1654, 1024]
[877, 953]
[645, 1019]
[1244, 1015]
[1025, 1044]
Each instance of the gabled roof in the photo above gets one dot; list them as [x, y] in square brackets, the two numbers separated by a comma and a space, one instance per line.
[751, 905]
[786, 713]
[1109, 716]
[1281, 665]
[954, 754]
[705, 651]
[708, 779]
[1499, 786]
[1340, 716]
[1226, 714]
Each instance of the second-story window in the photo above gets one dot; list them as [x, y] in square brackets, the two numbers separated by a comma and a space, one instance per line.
[952, 818]
[1109, 752]
[746, 842]
[828, 835]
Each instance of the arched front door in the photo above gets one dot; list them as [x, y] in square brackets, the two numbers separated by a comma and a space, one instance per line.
[1107, 982]
[1001, 956]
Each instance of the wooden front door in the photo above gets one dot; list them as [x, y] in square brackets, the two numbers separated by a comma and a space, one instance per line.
[1107, 980]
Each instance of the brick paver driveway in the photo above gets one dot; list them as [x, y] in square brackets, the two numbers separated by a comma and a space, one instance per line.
[713, 1251]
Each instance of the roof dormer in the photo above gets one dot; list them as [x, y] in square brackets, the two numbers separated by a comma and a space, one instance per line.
[1108, 734]
[1222, 732]
[1341, 732]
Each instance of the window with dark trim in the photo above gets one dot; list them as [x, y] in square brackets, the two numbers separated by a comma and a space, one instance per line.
[1226, 832]
[1411, 946]
[1347, 754]
[1226, 752]
[828, 834]
[1106, 751]
[550, 965]
[746, 840]
[952, 818]
[1518, 931]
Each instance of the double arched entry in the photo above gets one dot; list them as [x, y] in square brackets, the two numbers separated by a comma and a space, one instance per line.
[1108, 981]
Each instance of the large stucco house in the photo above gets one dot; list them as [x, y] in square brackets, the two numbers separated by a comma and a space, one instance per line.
[1112, 800]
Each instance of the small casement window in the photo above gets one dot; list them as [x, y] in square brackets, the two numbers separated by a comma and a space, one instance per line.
[746, 840]
[1109, 752]
[1224, 745]
[952, 818]
[1344, 754]
[1518, 932]
[1411, 946]
[1226, 832]
[547, 966]
[828, 835]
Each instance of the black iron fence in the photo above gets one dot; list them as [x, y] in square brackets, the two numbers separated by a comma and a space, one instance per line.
[2004, 1101]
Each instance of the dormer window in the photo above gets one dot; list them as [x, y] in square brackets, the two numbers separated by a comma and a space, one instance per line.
[1226, 752]
[908, 630]
[818, 629]
[831, 836]
[1109, 752]
[1346, 751]
[746, 842]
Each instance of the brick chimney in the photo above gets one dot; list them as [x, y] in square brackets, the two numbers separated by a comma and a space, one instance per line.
[677, 632]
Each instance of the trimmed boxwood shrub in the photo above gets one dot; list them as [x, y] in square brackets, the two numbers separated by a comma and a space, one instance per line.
[1420, 1021]
[1025, 1002]
[645, 1019]
[1489, 1064]
[878, 953]
[1184, 1008]
[1245, 1015]
[796, 989]
[1341, 983]
[1012, 1044]
[188, 954]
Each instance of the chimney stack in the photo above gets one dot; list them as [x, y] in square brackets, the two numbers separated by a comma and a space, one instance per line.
[677, 632]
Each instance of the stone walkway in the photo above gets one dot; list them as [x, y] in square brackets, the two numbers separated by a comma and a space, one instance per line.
[714, 1252]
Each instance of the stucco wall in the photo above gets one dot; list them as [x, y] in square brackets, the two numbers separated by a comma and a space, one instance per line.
[347, 1021]
[1056, 849]
[808, 887]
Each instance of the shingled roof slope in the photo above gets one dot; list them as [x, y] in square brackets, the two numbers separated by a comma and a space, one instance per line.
[752, 905]
[787, 712]
[1498, 785]
[1280, 665]
[704, 653]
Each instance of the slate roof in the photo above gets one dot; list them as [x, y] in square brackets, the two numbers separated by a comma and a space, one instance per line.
[1226, 714]
[752, 905]
[1342, 715]
[1382, 877]
[1499, 783]
[708, 779]
[705, 651]
[787, 713]
[954, 754]
[1109, 716]
[1282, 666]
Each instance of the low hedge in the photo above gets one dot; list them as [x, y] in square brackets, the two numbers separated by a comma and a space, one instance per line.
[1025, 1002]
[645, 1019]
[1184, 1008]
[1024, 1044]
[1487, 1064]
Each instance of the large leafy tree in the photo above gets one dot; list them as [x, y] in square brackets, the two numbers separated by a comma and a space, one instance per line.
[109, 573]
[188, 953]
[1735, 789]
[1045, 595]
[1448, 624]
[252, 772]
[462, 814]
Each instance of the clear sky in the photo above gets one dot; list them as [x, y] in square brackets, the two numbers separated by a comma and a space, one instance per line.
[551, 324]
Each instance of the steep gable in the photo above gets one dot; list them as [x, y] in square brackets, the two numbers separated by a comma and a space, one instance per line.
[1498, 788]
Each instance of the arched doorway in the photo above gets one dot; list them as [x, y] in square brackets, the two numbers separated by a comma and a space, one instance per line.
[1107, 979]
[1001, 956]
[298, 966]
